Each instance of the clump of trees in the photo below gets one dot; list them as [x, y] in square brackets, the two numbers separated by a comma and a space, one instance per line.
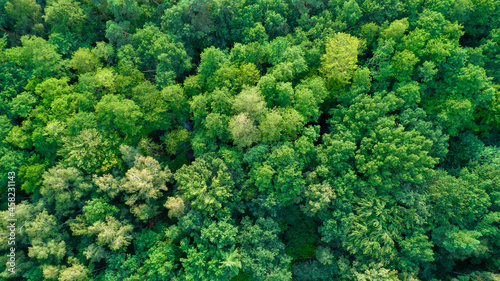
[251, 140]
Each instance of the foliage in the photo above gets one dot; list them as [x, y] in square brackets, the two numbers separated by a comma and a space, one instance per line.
[250, 140]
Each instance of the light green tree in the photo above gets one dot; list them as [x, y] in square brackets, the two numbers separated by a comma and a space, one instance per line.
[340, 60]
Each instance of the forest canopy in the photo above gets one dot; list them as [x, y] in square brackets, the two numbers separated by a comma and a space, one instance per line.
[250, 139]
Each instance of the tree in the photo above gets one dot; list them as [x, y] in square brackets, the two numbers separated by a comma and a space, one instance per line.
[213, 254]
[250, 53]
[49, 89]
[89, 151]
[38, 56]
[207, 185]
[293, 122]
[393, 155]
[395, 30]
[117, 33]
[123, 115]
[262, 253]
[317, 197]
[76, 271]
[64, 188]
[176, 207]
[84, 61]
[339, 62]
[418, 120]
[22, 104]
[280, 175]
[98, 209]
[104, 51]
[211, 60]
[402, 65]
[307, 103]
[256, 33]
[157, 51]
[27, 15]
[271, 126]
[161, 110]
[143, 184]
[250, 102]
[100, 83]
[124, 9]
[51, 251]
[456, 201]
[243, 130]
[64, 16]
[457, 115]
[112, 233]
[288, 60]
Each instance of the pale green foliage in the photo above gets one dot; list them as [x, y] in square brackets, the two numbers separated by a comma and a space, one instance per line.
[372, 231]
[89, 151]
[403, 64]
[28, 213]
[49, 89]
[76, 272]
[48, 251]
[206, 184]
[95, 253]
[129, 153]
[104, 51]
[378, 274]
[84, 61]
[271, 126]
[293, 122]
[64, 188]
[250, 102]
[43, 227]
[108, 184]
[145, 182]
[232, 261]
[51, 271]
[396, 30]
[112, 233]
[317, 197]
[339, 62]
[243, 130]
[102, 81]
[176, 207]
[46, 241]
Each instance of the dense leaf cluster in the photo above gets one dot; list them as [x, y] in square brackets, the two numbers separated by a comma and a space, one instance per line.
[251, 139]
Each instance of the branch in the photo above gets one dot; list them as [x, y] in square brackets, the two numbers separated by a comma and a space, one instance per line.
[11, 35]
